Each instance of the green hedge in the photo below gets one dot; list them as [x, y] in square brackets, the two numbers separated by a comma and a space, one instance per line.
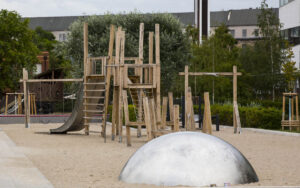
[252, 117]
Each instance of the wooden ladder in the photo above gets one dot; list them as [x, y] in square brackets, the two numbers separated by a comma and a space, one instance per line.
[94, 99]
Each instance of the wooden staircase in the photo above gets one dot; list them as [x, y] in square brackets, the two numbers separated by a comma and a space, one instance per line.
[94, 100]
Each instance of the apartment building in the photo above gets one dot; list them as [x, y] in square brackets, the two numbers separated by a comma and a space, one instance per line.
[289, 14]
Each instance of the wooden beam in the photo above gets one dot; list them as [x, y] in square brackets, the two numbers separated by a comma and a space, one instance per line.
[186, 87]
[126, 114]
[176, 118]
[237, 116]
[171, 106]
[108, 78]
[207, 124]
[234, 97]
[283, 108]
[153, 115]
[53, 80]
[151, 35]
[157, 60]
[147, 118]
[6, 104]
[122, 55]
[139, 71]
[86, 69]
[26, 104]
[210, 74]
[164, 112]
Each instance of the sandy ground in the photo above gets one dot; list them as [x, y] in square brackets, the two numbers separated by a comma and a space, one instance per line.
[76, 160]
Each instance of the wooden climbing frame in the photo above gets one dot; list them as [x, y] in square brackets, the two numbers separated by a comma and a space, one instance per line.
[234, 74]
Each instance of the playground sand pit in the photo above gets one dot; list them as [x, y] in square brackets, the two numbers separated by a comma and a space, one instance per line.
[76, 160]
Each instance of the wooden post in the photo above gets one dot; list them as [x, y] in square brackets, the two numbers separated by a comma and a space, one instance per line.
[186, 87]
[297, 108]
[176, 118]
[164, 112]
[34, 104]
[171, 106]
[86, 67]
[283, 109]
[157, 60]
[26, 104]
[115, 124]
[121, 77]
[20, 104]
[188, 110]
[139, 71]
[108, 78]
[297, 113]
[293, 111]
[234, 97]
[147, 118]
[151, 34]
[127, 121]
[6, 104]
[153, 115]
[207, 124]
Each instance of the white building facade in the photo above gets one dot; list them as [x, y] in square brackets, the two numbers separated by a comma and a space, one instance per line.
[289, 15]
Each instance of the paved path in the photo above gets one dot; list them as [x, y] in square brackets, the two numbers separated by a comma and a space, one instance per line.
[16, 170]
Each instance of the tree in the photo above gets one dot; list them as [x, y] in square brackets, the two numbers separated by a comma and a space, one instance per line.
[289, 68]
[175, 45]
[272, 42]
[17, 50]
[217, 54]
[45, 41]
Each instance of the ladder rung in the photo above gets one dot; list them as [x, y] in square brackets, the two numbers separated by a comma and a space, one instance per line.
[100, 90]
[89, 97]
[93, 104]
[93, 111]
[92, 118]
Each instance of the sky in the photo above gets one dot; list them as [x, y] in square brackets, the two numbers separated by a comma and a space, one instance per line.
[43, 8]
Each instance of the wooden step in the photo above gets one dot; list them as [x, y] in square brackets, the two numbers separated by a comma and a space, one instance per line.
[96, 83]
[92, 104]
[93, 118]
[90, 90]
[90, 97]
[95, 76]
[93, 111]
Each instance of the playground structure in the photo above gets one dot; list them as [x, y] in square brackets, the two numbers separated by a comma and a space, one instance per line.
[17, 107]
[131, 78]
[293, 118]
[189, 107]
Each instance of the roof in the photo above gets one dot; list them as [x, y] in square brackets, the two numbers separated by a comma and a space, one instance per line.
[52, 23]
[243, 17]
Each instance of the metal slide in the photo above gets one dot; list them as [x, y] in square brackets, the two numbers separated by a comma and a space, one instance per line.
[76, 120]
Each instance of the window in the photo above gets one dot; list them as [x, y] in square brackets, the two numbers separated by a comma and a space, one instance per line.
[232, 32]
[244, 33]
[62, 37]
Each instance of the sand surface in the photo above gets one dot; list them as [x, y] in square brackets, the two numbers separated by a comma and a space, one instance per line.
[76, 160]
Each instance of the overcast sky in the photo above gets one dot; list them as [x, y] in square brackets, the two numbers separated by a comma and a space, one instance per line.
[37, 8]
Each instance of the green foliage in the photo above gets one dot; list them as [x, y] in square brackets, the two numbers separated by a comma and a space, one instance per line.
[252, 117]
[45, 41]
[174, 43]
[262, 62]
[17, 50]
[217, 54]
[289, 68]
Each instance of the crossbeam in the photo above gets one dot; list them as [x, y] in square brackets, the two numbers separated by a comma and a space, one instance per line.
[210, 74]
[52, 80]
